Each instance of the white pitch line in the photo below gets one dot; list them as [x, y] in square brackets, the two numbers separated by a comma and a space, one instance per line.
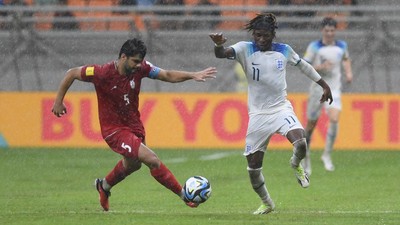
[221, 212]
[176, 160]
[216, 156]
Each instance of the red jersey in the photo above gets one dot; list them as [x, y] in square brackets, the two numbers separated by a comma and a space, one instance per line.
[118, 96]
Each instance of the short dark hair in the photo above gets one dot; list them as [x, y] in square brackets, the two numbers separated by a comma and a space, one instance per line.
[328, 21]
[264, 21]
[133, 47]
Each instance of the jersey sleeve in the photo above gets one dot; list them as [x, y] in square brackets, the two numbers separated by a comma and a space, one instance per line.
[292, 57]
[239, 49]
[344, 47]
[151, 70]
[309, 55]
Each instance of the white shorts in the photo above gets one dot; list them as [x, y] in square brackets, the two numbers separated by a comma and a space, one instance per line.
[262, 126]
[314, 106]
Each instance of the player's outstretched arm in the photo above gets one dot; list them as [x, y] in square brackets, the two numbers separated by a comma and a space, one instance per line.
[347, 70]
[175, 76]
[59, 108]
[219, 50]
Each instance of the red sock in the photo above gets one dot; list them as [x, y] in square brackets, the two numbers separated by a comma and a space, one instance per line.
[164, 176]
[117, 174]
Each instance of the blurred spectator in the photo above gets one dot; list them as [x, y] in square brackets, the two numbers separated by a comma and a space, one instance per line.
[2, 4]
[305, 13]
[295, 14]
[329, 2]
[283, 13]
[204, 24]
[47, 2]
[240, 78]
[170, 24]
[126, 3]
[17, 16]
[145, 3]
[355, 13]
[72, 24]
[2, 14]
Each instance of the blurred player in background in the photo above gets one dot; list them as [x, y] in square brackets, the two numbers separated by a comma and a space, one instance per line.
[327, 56]
[117, 85]
[241, 81]
[264, 63]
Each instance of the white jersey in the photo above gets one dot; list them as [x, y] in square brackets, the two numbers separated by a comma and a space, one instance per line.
[266, 74]
[317, 53]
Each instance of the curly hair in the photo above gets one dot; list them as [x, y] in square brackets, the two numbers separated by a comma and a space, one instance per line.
[263, 21]
[132, 47]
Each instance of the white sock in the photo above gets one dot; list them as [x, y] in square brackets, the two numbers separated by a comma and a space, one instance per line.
[299, 152]
[330, 138]
[258, 183]
[105, 185]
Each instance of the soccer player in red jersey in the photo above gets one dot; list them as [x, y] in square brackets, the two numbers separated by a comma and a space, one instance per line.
[117, 85]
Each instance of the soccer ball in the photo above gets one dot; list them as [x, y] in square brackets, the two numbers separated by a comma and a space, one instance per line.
[197, 189]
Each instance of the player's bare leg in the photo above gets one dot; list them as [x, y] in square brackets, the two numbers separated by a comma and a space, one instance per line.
[326, 157]
[161, 173]
[257, 181]
[123, 168]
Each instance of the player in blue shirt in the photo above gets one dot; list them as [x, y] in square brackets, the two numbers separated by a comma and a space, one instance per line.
[327, 56]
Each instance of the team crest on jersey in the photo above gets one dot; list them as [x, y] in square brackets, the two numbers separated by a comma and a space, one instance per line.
[279, 64]
[132, 83]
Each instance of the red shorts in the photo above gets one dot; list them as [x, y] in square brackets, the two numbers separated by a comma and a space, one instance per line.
[125, 143]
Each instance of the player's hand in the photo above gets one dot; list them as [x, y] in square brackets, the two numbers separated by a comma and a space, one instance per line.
[208, 73]
[326, 96]
[218, 38]
[59, 109]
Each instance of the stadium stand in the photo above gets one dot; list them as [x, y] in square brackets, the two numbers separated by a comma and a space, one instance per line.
[371, 26]
[106, 15]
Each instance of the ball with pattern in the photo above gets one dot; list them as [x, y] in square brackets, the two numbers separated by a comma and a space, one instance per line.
[197, 189]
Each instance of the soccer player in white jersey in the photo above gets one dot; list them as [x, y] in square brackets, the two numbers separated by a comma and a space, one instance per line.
[327, 56]
[264, 63]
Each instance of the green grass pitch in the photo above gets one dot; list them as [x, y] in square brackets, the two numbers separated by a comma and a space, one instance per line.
[55, 186]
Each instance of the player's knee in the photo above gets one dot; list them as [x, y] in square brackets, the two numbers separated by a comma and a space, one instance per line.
[254, 165]
[300, 148]
[333, 120]
[132, 165]
[255, 160]
[153, 162]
